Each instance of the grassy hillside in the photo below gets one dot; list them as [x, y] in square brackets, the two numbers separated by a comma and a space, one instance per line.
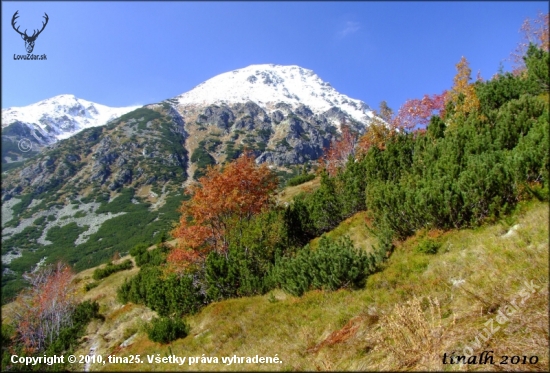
[287, 194]
[388, 325]
[354, 228]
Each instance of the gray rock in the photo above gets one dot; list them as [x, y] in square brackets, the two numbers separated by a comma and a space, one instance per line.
[100, 174]
[248, 109]
[246, 123]
[124, 176]
[221, 117]
[335, 113]
[295, 129]
[121, 161]
[284, 107]
[72, 157]
[303, 111]
[277, 116]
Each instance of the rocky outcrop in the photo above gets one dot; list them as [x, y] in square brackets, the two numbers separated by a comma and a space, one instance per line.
[221, 117]
[282, 136]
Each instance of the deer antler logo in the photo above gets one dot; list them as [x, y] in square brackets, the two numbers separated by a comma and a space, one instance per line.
[29, 40]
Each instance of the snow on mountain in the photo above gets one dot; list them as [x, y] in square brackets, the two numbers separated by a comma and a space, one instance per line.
[61, 116]
[269, 84]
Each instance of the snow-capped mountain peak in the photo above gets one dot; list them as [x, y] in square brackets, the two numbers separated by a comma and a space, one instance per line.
[61, 116]
[269, 84]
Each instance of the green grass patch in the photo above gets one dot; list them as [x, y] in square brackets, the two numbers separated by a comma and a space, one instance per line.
[355, 228]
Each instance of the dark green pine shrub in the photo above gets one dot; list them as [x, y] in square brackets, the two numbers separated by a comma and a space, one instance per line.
[238, 274]
[300, 179]
[140, 254]
[203, 159]
[221, 275]
[168, 295]
[111, 268]
[244, 269]
[473, 171]
[167, 329]
[91, 285]
[144, 257]
[324, 206]
[334, 265]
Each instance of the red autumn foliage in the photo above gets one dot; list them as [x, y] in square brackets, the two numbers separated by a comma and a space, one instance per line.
[46, 307]
[224, 199]
[416, 113]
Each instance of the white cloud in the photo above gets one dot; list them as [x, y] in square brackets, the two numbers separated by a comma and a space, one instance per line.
[349, 28]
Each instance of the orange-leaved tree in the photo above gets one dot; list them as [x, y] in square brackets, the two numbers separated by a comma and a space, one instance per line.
[380, 129]
[47, 306]
[376, 134]
[225, 199]
[463, 95]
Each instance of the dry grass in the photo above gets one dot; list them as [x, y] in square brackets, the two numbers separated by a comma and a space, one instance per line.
[145, 192]
[286, 195]
[476, 274]
[412, 336]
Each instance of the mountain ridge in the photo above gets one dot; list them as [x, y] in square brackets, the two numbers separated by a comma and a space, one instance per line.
[62, 116]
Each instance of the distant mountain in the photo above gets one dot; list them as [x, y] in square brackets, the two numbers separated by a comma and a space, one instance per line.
[49, 121]
[61, 116]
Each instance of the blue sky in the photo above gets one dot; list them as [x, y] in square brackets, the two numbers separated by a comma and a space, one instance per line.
[129, 53]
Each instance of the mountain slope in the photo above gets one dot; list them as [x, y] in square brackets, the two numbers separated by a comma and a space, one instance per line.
[61, 116]
[100, 191]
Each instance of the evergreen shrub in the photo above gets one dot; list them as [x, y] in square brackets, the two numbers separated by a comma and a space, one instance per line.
[111, 268]
[334, 265]
[166, 329]
[300, 179]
